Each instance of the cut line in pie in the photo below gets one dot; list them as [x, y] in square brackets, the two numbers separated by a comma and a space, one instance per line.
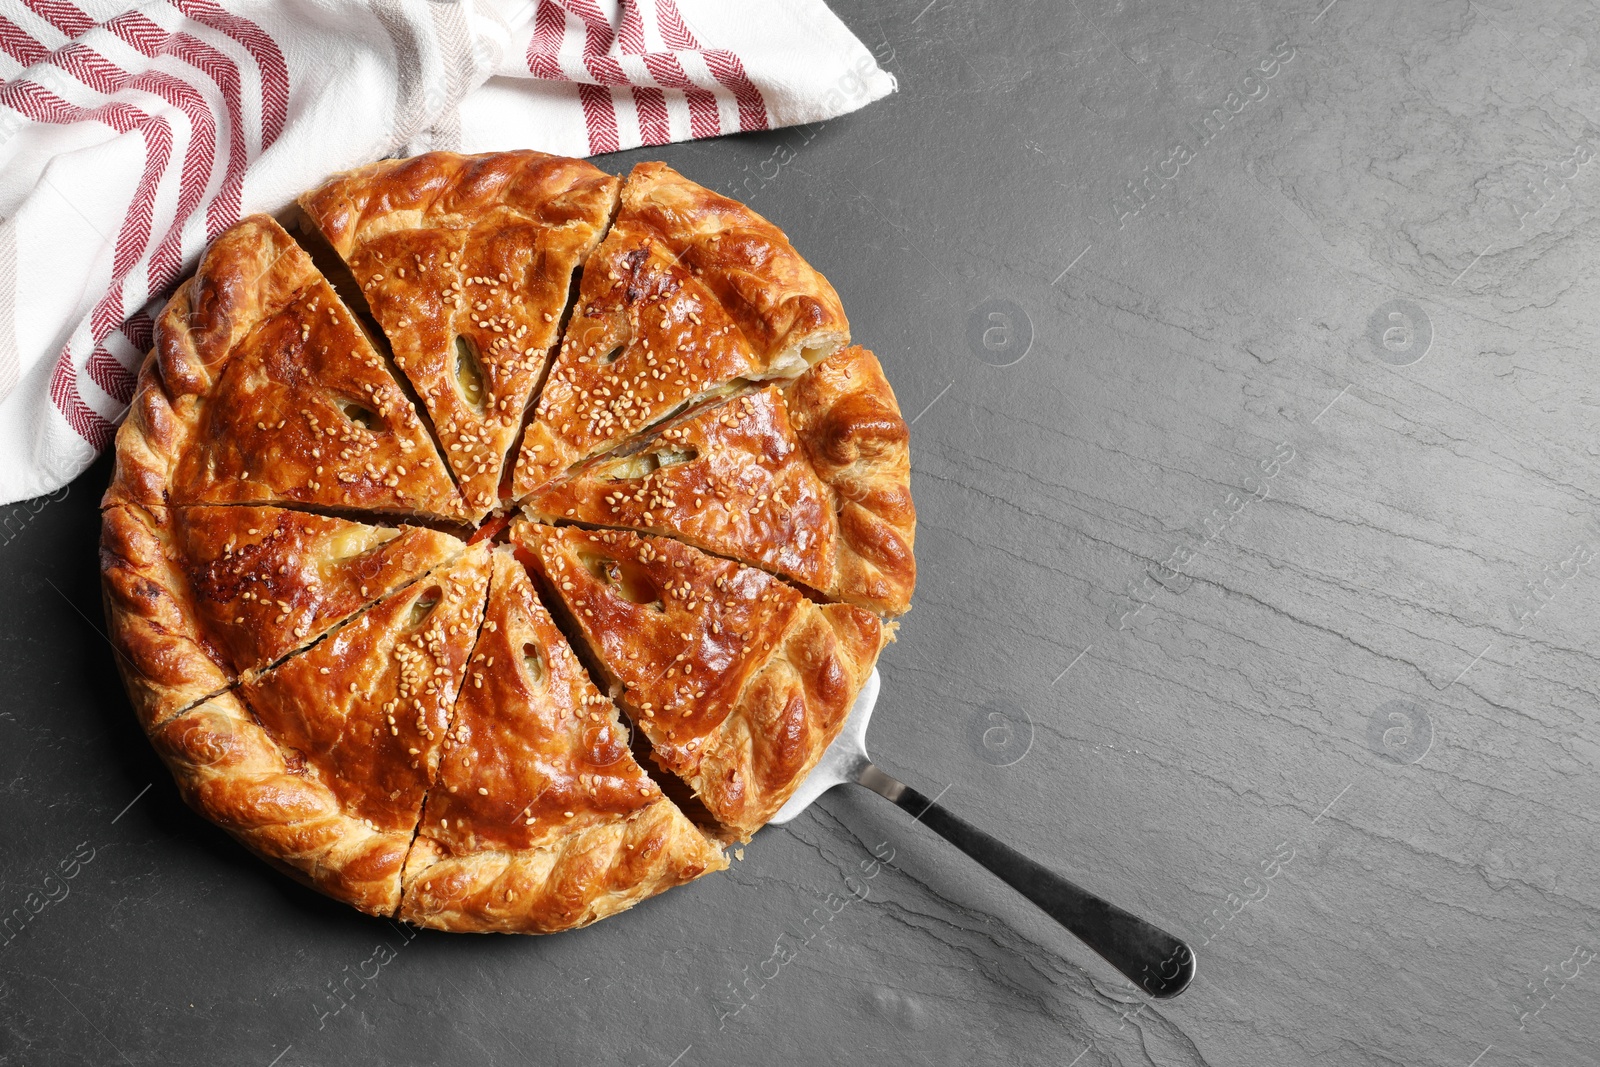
[501, 585]
[263, 388]
[809, 481]
[738, 680]
[540, 819]
[466, 263]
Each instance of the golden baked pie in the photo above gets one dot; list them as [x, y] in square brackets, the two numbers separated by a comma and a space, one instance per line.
[501, 554]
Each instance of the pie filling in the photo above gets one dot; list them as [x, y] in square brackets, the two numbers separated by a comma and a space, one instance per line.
[405, 727]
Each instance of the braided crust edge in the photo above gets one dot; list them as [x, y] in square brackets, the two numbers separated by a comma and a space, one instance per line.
[455, 191]
[165, 662]
[848, 421]
[229, 770]
[785, 308]
[150, 440]
[584, 877]
[787, 714]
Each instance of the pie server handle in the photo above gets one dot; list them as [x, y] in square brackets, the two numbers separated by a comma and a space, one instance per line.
[1162, 965]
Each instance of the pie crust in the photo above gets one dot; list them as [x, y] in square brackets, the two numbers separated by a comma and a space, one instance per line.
[500, 581]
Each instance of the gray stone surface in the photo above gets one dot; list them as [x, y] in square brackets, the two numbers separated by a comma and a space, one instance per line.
[1348, 744]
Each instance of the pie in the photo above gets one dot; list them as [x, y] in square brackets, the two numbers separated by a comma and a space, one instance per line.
[504, 544]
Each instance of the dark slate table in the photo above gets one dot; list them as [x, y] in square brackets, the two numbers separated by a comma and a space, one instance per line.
[1250, 357]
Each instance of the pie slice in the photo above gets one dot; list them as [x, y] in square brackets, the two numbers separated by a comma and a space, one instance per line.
[466, 263]
[263, 388]
[729, 477]
[737, 680]
[266, 581]
[539, 819]
[364, 712]
[280, 805]
[812, 482]
[689, 293]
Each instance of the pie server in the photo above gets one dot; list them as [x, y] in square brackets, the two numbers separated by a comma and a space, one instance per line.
[1162, 965]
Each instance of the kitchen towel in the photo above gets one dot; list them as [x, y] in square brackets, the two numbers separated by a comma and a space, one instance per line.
[131, 134]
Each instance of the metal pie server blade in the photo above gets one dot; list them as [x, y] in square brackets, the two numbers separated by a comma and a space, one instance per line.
[1159, 963]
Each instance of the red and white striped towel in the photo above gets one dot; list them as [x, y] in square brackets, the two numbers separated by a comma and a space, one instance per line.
[132, 133]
